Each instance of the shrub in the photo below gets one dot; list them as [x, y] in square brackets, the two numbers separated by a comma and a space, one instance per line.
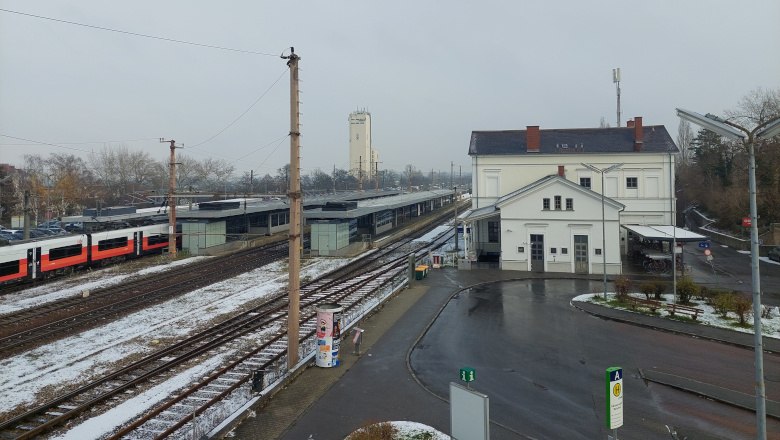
[660, 288]
[723, 303]
[647, 289]
[742, 307]
[686, 289]
[704, 293]
[622, 286]
[377, 431]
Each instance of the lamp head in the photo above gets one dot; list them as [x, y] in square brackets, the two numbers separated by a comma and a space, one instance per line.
[712, 123]
[770, 130]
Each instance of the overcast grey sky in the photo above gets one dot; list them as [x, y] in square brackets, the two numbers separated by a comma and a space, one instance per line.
[430, 72]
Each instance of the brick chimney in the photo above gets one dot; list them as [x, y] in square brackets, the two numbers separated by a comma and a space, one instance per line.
[561, 171]
[638, 134]
[630, 123]
[532, 138]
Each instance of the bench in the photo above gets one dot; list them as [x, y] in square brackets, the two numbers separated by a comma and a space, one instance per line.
[647, 303]
[685, 310]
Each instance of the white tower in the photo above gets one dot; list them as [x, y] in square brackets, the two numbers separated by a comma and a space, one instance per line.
[362, 157]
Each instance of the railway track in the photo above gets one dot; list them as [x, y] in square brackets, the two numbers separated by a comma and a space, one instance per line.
[352, 286]
[28, 327]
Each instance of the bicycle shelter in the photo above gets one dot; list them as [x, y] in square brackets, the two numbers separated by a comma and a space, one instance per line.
[653, 244]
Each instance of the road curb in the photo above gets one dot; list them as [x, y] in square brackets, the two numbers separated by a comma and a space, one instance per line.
[709, 391]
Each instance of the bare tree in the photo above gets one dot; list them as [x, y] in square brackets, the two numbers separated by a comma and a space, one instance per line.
[756, 107]
[684, 141]
[409, 172]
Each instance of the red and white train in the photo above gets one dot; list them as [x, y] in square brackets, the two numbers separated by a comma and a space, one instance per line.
[36, 259]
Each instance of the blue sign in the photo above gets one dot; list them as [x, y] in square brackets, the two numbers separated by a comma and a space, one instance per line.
[704, 244]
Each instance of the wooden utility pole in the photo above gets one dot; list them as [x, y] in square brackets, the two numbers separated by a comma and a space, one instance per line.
[294, 197]
[172, 200]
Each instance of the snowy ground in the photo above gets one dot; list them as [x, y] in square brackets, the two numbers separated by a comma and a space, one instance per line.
[94, 352]
[75, 285]
[413, 430]
[770, 327]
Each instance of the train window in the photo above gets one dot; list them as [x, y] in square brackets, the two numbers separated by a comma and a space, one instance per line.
[9, 268]
[112, 243]
[65, 252]
[157, 239]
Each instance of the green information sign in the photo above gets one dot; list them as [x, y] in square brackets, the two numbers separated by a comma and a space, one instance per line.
[468, 374]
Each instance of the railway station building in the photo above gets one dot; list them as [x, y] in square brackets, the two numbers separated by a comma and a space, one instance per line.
[539, 204]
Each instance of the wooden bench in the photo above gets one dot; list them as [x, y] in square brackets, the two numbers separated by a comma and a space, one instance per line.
[684, 310]
[646, 303]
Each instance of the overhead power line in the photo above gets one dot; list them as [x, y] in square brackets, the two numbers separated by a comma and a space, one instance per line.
[44, 143]
[279, 140]
[136, 34]
[272, 152]
[89, 142]
[243, 113]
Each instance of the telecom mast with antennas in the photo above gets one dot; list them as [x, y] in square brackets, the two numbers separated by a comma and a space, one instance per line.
[616, 80]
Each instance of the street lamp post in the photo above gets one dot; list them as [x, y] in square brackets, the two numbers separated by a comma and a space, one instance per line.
[730, 130]
[603, 219]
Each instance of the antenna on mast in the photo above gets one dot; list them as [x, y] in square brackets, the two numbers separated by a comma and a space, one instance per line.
[616, 80]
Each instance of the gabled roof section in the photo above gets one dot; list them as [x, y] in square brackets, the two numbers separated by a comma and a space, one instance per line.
[553, 180]
[572, 141]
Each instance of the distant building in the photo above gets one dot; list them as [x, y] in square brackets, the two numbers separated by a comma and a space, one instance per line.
[363, 158]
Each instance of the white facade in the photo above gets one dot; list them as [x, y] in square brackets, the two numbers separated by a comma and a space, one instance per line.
[564, 237]
[536, 206]
[362, 156]
[650, 203]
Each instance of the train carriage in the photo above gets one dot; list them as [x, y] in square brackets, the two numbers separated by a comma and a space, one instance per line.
[13, 263]
[154, 238]
[107, 245]
[37, 258]
[60, 253]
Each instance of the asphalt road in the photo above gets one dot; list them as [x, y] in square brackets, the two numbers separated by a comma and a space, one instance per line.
[732, 270]
[542, 363]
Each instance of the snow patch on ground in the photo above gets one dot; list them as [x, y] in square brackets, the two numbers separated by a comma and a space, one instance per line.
[770, 327]
[437, 231]
[414, 430]
[73, 286]
[105, 423]
[93, 352]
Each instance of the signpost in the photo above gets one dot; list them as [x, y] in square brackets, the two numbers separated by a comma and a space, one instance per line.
[614, 382]
[469, 414]
[468, 374]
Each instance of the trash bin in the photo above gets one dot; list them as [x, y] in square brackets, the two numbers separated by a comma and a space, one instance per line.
[419, 273]
[425, 268]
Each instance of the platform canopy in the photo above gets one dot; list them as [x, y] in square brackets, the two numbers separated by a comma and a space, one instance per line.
[664, 233]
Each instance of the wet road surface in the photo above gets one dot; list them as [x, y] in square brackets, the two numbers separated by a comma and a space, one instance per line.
[542, 364]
